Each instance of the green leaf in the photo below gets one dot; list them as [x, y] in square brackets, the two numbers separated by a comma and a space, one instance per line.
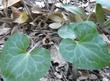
[73, 9]
[19, 65]
[86, 55]
[78, 30]
[66, 31]
[100, 14]
[104, 3]
[88, 50]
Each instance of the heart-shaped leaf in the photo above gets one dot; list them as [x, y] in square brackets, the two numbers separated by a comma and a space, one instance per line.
[19, 65]
[88, 50]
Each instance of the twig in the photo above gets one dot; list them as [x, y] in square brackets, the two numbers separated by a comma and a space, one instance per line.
[5, 4]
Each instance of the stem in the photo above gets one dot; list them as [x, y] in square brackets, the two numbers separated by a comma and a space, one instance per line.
[36, 45]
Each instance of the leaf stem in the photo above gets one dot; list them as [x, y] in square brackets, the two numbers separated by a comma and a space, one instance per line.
[36, 45]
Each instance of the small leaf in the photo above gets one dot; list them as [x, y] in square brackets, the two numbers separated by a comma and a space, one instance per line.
[55, 25]
[23, 17]
[73, 9]
[87, 50]
[100, 14]
[19, 65]
[104, 3]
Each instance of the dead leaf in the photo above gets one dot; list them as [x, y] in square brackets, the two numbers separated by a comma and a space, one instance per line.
[36, 10]
[78, 18]
[56, 17]
[4, 30]
[55, 25]
[55, 54]
[23, 17]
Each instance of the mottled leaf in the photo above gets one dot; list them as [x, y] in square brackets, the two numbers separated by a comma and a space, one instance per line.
[88, 50]
[17, 64]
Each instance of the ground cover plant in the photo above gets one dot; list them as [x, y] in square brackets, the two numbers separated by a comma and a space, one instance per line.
[33, 34]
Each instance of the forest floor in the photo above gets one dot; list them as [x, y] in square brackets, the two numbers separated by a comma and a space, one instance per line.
[37, 25]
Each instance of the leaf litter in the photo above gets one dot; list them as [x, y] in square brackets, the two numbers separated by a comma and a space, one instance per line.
[38, 23]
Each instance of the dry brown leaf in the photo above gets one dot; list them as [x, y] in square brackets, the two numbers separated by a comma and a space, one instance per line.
[55, 25]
